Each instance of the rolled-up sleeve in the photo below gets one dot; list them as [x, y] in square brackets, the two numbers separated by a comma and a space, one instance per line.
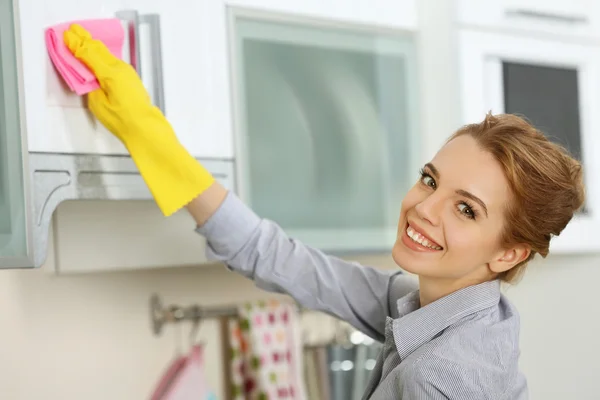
[260, 250]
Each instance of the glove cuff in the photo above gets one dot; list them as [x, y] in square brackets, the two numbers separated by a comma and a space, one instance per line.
[173, 176]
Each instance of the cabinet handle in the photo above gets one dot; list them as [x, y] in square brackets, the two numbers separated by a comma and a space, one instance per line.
[157, 62]
[571, 19]
[133, 20]
[133, 34]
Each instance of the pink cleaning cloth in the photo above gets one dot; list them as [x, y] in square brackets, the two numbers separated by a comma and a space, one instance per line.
[77, 76]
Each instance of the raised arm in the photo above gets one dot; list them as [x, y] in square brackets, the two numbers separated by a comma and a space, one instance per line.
[260, 250]
[254, 247]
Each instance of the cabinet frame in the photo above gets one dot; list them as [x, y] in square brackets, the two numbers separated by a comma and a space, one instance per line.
[8, 19]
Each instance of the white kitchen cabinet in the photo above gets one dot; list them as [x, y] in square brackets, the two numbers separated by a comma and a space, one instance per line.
[190, 67]
[554, 81]
[170, 65]
[326, 117]
[354, 206]
[36, 177]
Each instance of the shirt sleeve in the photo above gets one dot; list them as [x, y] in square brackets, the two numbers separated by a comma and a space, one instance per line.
[259, 249]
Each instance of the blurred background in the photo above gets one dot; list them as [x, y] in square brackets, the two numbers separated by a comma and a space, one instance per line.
[318, 113]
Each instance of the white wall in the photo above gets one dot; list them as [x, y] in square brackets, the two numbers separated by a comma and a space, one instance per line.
[558, 303]
[88, 337]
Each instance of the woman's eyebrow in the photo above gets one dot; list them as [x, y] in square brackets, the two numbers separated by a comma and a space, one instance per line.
[460, 192]
[433, 169]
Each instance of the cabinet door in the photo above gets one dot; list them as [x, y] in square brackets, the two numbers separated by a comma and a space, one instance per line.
[326, 122]
[557, 87]
[169, 65]
[15, 243]
[58, 121]
[207, 47]
[193, 100]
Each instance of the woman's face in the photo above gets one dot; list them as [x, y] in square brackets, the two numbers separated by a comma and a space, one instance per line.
[451, 220]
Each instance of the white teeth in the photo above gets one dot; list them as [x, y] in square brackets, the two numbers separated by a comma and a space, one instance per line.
[417, 237]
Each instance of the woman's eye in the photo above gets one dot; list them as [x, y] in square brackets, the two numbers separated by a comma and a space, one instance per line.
[466, 210]
[428, 181]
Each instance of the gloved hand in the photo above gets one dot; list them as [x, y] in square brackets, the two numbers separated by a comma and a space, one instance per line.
[123, 106]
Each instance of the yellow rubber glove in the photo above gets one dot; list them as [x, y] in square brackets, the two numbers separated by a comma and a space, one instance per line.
[123, 106]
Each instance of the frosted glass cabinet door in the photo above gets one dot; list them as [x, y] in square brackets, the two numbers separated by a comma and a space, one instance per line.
[13, 208]
[326, 128]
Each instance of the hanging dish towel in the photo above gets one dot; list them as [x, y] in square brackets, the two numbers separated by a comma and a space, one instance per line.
[266, 348]
[185, 379]
[77, 76]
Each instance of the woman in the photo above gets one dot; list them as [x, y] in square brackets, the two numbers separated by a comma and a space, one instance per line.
[490, 199]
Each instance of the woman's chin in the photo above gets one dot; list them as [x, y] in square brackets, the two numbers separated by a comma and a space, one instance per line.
[413, 262]
[402, 258]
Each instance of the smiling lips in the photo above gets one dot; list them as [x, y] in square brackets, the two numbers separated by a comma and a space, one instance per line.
[421, 240]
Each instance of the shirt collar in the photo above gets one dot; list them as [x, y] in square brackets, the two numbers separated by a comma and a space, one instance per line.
[416, 326]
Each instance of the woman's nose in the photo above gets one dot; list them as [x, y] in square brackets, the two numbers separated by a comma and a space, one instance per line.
[429, 209]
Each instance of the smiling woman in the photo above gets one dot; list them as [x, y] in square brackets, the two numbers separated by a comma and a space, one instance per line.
[489, 200]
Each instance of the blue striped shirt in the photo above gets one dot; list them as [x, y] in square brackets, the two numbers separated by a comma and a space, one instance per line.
[463, 346]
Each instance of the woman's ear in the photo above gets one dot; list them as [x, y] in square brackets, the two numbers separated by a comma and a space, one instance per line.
[509, 258]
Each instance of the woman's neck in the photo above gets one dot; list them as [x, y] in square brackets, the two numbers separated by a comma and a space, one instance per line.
[432, 289]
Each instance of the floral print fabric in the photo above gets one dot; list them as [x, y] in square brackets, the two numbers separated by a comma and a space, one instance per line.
[266, 349]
